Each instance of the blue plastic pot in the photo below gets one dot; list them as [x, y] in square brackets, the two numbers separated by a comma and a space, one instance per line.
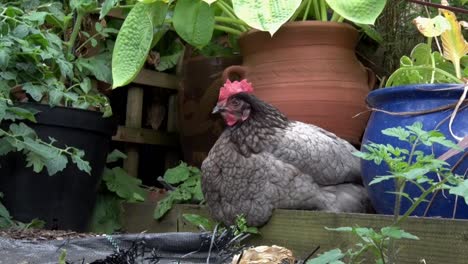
[413, 98]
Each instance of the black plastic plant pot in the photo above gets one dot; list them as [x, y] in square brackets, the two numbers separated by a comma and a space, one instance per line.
[66, 199]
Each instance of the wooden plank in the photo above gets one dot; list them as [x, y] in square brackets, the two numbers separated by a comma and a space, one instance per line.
[145, 136]
[157, 79]
[441, 240]
[133, 119]
[138, 217]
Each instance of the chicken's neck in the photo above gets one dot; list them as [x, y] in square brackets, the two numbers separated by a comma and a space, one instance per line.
[260, 130]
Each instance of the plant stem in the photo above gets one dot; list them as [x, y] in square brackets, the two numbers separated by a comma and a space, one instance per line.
[420, 200]
[74, 34]
[299, 10]
[228, 30]
[400, 187]
[316, 9]
[323, 10]
[336, 18]
[230, 13]
[241, 24]
[306, 12]
[86, 41]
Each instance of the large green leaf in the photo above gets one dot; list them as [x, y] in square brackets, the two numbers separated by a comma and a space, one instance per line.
[358, 11]
[133, 44]
[265, 15]
[194, 22]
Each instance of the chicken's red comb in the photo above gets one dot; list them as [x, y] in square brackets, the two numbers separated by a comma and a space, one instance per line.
[231, 88]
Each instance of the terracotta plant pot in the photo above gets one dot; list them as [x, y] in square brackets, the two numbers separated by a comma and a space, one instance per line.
[309, 71]
[199, 129]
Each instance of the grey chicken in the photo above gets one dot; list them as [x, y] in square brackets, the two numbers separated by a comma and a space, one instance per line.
[264, 161]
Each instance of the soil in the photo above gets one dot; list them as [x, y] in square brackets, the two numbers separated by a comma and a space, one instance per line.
[42, 234]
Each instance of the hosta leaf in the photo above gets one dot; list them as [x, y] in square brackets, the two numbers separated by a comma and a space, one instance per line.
[132, 44]
[453, 42]
[265, 15]
[194, 22]
[432, 27]
[358, 11]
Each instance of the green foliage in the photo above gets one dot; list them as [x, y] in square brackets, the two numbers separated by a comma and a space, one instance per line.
[116, 187]
[133, 44]
[406, 166]
[188, 188]
[34, 59]
[206, 224]
[7, 221]
[333, 256]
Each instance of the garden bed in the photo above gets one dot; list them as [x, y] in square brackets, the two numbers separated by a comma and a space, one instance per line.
[441, 240]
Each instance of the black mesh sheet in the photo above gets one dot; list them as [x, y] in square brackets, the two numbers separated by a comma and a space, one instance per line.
[125, 249]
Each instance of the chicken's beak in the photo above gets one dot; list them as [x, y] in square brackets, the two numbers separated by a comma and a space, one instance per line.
[216, 109]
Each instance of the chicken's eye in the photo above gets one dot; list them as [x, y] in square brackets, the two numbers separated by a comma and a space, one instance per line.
[235, 102]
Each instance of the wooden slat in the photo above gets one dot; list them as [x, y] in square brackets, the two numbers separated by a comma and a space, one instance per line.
[441, 240]
[145, 136]
[157, 79]
[138, 217]
[133, 119]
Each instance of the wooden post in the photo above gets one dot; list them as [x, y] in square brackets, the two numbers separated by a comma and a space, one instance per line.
[133, 120]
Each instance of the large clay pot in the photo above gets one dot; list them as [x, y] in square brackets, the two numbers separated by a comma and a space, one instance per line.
[310, 72]
[199, 129]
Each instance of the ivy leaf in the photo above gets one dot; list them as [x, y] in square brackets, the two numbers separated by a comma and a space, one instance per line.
[177, 174]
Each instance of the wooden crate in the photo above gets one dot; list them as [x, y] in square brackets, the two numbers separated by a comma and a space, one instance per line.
[441, 240]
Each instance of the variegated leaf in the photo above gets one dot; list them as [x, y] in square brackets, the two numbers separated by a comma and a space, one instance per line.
[453, 42]
[432, 27]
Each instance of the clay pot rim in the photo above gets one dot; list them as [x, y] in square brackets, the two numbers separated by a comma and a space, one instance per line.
[304, 24]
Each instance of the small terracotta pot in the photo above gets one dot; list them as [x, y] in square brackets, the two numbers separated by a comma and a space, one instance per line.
[310, 72]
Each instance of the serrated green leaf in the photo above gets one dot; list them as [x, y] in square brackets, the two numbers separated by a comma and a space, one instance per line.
[398, 132]
[164, 205]
[56, 164]
[268, 15]
[107, 215]
[333, 256]
[125, 186]
[81, 164]
[379, 179]
[106, 7]
[194, 22]
[38, 17]
[66, 68]
[115, 155]
[55, 97]
[177, 174]
[199, 221]
[98, 66]
[461, 190]
[4, 58]
[21, 113]
[397, 233]
[21, 31]
[170, 60]
[358, 11]
[133, 44]
[35, 91]
[85, 85]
